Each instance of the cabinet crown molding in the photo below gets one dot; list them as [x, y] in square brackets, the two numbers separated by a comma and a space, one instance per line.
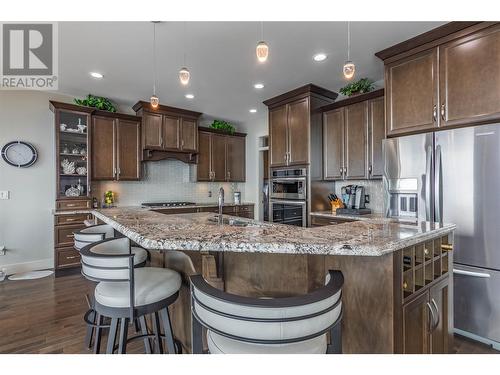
[303, 90]
[164, 109]
[353, 99]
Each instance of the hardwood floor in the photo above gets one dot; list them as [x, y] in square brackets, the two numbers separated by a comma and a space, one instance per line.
[46, 316]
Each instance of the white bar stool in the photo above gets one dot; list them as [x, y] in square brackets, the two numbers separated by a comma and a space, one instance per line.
[125, 293]
[244, 325]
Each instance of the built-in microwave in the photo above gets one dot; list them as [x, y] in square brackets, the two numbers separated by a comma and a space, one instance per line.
[289, 184]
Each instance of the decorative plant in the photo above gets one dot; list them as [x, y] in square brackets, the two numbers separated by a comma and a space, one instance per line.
[96, 102]
[361, 86]
[223, 125]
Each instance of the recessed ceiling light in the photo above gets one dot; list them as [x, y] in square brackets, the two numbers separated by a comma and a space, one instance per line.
[259, 85]
[320, 57]
[253, 110]
[189, 96]
[96, 75]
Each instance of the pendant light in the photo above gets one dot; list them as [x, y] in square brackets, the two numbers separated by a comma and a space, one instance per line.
[184, 74]
[262, 49]
[349, 67]
[155, 101]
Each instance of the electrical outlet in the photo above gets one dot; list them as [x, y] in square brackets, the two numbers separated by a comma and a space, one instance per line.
[2, 250]
[367, 198]
[4, 194]
[210, 193]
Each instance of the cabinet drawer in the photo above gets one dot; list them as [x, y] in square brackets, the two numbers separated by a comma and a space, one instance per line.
[73, 204]
[246, 214]
[71, 219]
[67, 257]
[317, 221]
[209, 209]
[230, 210]
[63, 235]
[176, 211]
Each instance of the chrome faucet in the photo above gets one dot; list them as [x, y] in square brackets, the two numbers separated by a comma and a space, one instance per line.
[221, 204]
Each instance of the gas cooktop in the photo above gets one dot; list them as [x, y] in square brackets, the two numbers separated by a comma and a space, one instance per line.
[167, 204]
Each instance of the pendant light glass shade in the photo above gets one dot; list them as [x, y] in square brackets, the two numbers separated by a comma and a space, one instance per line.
[184, 76]
[262, 51]
[154, 101]
[349, 69]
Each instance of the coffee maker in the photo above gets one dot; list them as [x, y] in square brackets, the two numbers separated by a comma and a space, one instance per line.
[353, 197]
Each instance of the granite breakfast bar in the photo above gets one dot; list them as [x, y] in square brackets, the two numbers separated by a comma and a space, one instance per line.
[381, 261]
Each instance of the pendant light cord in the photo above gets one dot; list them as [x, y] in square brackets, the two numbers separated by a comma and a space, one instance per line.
[348, 41]
[154, 58]
[261, 30]
[185, 44]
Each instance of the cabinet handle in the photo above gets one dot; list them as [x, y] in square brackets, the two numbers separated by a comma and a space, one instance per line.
[345, 171]
[370, 169]
[447, 247]
[341, 171]
[437, 314]
[70, 235]
[431, 321]
[119, 171]
[442, 111]
[229, 175]
[70, 219]
[161, 141]
[72, 257]
[71, 205]
[434, 113]
[182, 143]
[114, 171]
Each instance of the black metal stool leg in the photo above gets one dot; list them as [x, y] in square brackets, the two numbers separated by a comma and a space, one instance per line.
[167, 327]
[98, 333]
[144, 331]
[89, 334]
[122, 345]
[112, 336]
[157, 333]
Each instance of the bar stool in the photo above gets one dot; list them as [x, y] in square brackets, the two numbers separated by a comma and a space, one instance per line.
[125, 293]
[245, 325]
[85, 237]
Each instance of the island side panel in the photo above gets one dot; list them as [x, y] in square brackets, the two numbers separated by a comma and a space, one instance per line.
[368, 301]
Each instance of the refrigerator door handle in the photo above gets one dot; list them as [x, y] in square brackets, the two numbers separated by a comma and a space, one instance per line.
[438, 186]
[428, 165]
[482, 275]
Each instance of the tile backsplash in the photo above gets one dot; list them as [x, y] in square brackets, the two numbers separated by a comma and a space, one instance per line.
[163, 181]
[374, 188]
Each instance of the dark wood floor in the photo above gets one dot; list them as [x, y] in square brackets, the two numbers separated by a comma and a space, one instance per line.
[45, 316]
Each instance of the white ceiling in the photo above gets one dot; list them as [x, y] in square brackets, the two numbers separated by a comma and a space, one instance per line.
[221, 59]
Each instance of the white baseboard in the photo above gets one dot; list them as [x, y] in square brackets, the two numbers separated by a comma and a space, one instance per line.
[36, 265]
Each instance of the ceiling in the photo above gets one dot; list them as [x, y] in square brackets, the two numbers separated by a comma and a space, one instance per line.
[221, 59]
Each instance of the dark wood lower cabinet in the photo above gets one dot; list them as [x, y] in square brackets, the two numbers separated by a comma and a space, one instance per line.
[244, 210]
[416, 325]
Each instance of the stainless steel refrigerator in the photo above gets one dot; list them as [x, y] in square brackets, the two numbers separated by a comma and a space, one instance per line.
[454, 176]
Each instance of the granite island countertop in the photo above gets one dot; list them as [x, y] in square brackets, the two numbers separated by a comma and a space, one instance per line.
[199, 232]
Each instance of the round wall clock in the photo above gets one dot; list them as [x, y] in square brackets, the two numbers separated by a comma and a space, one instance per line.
[19, 154]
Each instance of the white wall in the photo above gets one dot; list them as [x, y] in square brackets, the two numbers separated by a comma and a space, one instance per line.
[26, 220]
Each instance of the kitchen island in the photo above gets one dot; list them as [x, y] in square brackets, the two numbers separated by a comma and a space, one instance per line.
[391, 270]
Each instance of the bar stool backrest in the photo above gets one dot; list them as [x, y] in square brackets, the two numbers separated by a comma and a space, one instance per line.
[92, 234]
[110, 260]
[268, 321]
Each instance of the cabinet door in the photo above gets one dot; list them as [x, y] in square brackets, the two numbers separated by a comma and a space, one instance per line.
[218, 157]
[203, 170]
[152, 131]
[356, 141]
[189, 141]
[376, 135]
[235, 159]
[278, 136]
[411, 93]
[470, 78]
[416, 325]
[171, 130]
[103, 148]
[333, 144]
[298, 132]
[128, 150]
[441, 325]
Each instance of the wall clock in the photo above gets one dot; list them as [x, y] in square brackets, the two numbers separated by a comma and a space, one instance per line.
[19, 154]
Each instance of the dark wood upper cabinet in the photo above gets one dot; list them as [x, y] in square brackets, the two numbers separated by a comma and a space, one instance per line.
[278, 134]
[152, 132]
[411, 95]
[116, 145]
[104, 148]
[333, 147]
[235, 155]
[353, 130]
[168, 131]
[298, 132]
[416, 323]
[221, 156]
[356, 141]
[448, 77]
[293, 116]
[189, 132]
[376, 134]
[128, 149]
[470, 78]
[171, 130]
